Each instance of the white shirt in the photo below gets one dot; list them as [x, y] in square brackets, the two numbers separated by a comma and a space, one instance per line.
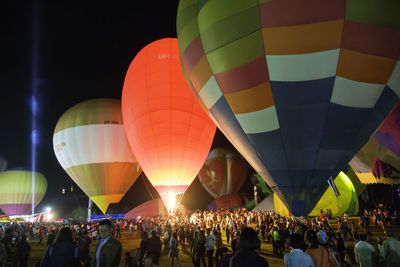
[297, 258]
[102, 242]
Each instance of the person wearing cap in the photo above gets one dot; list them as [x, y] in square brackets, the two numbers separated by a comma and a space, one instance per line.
[391, 250]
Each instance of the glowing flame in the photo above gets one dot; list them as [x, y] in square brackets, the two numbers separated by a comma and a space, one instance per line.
[171, 204]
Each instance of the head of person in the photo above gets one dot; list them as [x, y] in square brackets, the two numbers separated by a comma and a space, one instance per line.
[154, 234]
[296, 241]
[363, 237]
[311, 239]
[248, 239]
[64, 235]
[105, 229]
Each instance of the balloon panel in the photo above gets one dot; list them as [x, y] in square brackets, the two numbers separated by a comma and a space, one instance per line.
[388, 134]
[167, 129]
[90, 144]
[231, 202]
[297, 95]
[346, 202]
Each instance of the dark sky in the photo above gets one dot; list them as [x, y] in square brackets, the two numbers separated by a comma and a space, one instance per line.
[84, 50]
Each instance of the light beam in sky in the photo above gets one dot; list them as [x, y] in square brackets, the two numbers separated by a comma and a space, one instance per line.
[34, 102]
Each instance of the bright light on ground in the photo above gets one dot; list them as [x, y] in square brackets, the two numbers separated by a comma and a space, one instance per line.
[171, 202]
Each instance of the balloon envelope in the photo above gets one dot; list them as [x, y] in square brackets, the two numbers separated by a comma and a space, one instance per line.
[168, 131]
[225, 202]
[346, 202]
[90, 144]
[384, 145]
[16, 191]
[297, 87]
[223, 172]
[153, 208]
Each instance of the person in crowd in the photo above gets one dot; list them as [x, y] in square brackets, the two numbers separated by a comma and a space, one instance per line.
[23, 250]
[318, 253]
[247, 254]
[108, 250]
[210, 239]
[173, 249]
[154, 248]
[276, 242]
[50, 237]
[63, 251]
[341, 250]
[391, 250]
[199, 249]
[143, 246]
[296, 257]
[364, 252]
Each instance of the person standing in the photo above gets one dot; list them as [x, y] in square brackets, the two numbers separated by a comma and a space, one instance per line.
[63, 251]
[173, 249]
[364, 252]
[296, 257]
[108, 250]
[210, 239]
[154, 248]
[23, 251]
[247, 254]
[391, 250]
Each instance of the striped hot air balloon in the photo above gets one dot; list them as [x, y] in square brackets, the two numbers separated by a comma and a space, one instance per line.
[298, 87]
[90, 144]
[16, 191]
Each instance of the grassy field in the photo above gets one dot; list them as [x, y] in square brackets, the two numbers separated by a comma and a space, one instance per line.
[130, 243]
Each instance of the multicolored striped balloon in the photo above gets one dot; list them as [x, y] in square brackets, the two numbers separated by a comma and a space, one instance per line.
[16, 191]
[298, 87]
[90, 144]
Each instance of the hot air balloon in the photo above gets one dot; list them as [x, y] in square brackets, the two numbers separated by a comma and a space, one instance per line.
[168, 131]
[16, 191]
[3, 164]
[225, 202]
[379, 160]
[90, 144]
[153, 208]
[297, 87]
[223, 172]
[347, 201]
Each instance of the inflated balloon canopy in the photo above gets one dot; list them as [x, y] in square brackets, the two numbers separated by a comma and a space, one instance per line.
[16, 191]
[167, 129]
[90, 144]
[298, 87]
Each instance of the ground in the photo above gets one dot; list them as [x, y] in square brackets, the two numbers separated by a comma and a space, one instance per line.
[130, 242]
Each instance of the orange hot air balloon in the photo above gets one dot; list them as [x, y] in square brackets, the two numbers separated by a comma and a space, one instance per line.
[168, 131]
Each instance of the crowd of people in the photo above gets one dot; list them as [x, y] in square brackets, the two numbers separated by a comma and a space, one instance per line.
[221, 238]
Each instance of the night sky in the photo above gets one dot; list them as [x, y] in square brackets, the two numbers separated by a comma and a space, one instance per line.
[84, 51]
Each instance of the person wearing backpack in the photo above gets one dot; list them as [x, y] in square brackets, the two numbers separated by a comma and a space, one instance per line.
[63, 252]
